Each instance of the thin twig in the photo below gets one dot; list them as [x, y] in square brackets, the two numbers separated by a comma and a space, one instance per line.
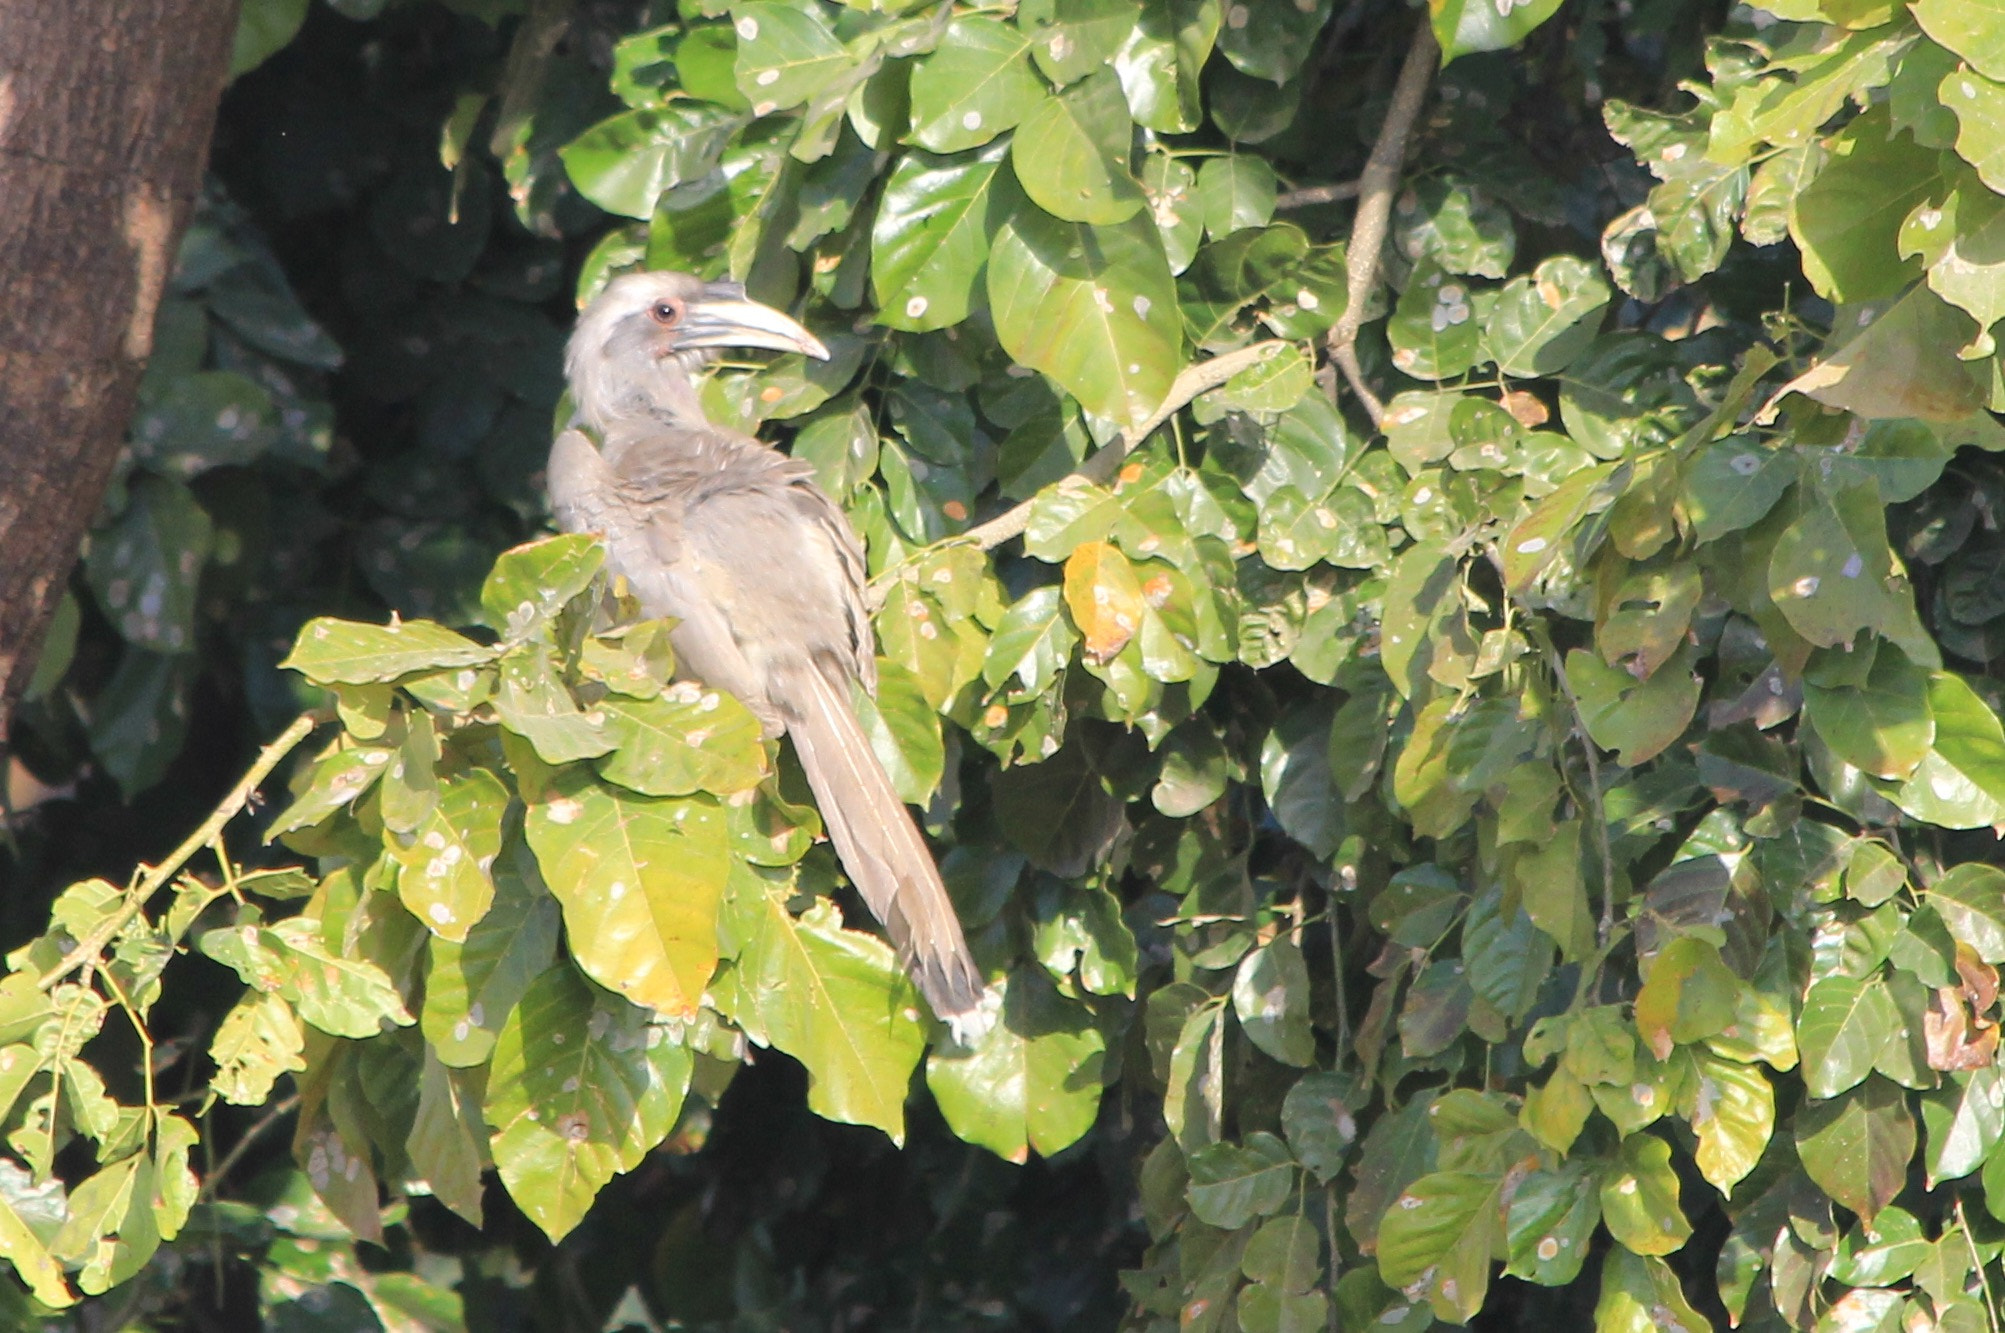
[1103, 465]
[1596, 810]
[1983, 1278]
[1374, 215]
[1311, 195]
[1337, 969]
[156, 877]
[278, 1112]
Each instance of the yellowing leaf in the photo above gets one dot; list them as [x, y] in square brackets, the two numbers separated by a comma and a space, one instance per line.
[639, 879]
[1105, 598]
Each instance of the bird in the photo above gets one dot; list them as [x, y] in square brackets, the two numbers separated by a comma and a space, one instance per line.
[761, 574]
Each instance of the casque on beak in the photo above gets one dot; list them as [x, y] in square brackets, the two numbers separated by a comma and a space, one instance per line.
[724, 317]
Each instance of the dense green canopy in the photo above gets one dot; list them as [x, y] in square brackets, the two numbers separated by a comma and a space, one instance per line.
[1440, 581]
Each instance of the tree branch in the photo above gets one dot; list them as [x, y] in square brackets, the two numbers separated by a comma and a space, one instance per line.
[154, 878]
[1311, 195]
[1101, 468]
[1376, 186]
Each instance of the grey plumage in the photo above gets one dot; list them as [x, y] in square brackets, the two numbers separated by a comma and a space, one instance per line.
[762, 573]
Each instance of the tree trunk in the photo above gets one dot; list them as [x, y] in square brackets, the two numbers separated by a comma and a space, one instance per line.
[105, 113]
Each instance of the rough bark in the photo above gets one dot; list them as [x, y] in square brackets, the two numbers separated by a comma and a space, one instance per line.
[105, 112]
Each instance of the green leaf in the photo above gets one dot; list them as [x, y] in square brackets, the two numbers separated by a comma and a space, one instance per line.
[1637, 719]
[110, 1230]
[1882, 725]
[1464, 27]
[834, 999]
[1296, 779]
[904, 732]
[1882, 1253]
[640, 880]
[258, 1040]
[1437, 326]
[1639, 1198]
[582, 1087]
[1235, 191]
[530, 584]
[1092, 307]
[685, 740]
[1264, 1308]
[1453, 224]
[1979, 104]
[1968, 736]
[1846, 1022]
[1438, 1238]
[1032, 1081]
[977, 84]
[1270, 993]
[625, 163]
[447, 857]
[1959, 241]
[786, 54]
[1159, 65]
[1687, 996]
[264, 28]
[342, 652]
[1857, 1146]
[1971, 28]
[1971, 899]
[1318, 1116]
[208, 419]
[1848, 219]
[930, 240]
[1285, 1254]
[470, 988]
[1830, 568]
[1071, 154]
[533, 701]
[145, 568]
[1550, 1224]
[1734, 1119]
[343, 997]
[1070, 39]
[1233, 1183]
[1640, 1294]
[1546, 318]
[1900, 362]
[1732, 484]
[1965, 1119]
[446, 1142]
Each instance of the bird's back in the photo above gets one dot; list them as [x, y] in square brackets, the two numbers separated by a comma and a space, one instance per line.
[734, 540]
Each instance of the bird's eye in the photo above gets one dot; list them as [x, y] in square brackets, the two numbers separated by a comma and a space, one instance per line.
[665, 313]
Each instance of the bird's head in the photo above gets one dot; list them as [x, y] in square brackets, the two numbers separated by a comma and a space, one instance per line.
[641, 335]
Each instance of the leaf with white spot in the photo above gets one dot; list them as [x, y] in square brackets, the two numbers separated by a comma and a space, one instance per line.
[470, 988]
[146, 567]
[258, 1040]
[344, 652]
[1270, 993]
[685, 740]
[834, 999]
[582, 1087]
[1092, 307]
[639, 879]
[447, 859]
[786, 54]
[929, 244]
[977, 84]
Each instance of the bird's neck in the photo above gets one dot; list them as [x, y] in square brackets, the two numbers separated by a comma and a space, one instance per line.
[661, 395]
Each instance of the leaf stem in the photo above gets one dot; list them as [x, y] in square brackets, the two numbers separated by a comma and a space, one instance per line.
[153, 878]
[1375, 190]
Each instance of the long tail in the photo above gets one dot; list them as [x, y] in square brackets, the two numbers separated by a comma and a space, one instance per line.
[880, 846]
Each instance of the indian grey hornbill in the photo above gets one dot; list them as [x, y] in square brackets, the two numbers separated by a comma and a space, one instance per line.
[761, 573]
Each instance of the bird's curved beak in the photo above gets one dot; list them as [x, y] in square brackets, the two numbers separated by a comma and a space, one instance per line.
[724, 317]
